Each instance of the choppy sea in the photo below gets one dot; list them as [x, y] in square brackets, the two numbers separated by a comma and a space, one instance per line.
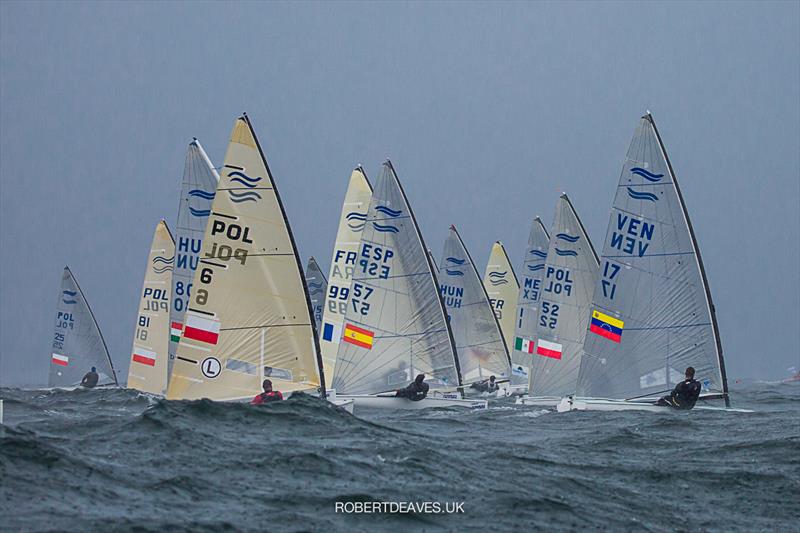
[120, 460]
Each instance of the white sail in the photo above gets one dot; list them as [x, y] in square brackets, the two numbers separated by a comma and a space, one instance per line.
[395, 326]
[77, 343]
[249, 315]
[198, 188]
[530, 293]
[476, 331]
[150, 353]
[652, 314]
[343, 262]
[317, 288]
[503, 290]
[570, 274]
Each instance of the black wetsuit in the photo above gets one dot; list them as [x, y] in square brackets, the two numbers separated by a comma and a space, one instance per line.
[414, 392]
[90, 380]
[683, 396]
[485, 386]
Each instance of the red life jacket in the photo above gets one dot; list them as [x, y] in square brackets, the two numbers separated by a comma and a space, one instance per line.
[266, 397]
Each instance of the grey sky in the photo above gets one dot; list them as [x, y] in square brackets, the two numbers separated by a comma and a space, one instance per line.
[487, 110]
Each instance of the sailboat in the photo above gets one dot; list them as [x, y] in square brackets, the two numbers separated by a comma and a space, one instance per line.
[150, 353]
[343, 262]
[652, 313]
[502, 287]
[530, 293]
[198, 188]
[568, 281]
[317, 288]
[249, 315]
[479, 341]
[396, 326]
[77, 343]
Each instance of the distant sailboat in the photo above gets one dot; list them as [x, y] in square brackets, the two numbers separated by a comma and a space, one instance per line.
[150, 353]
[395, 326]
[249, 314]
[530, 293]
[652, 314]
[198, 188]
[343, 263]
[479, 342]
[77, 343]
[317, 288]
[568, 281]
[503, 290]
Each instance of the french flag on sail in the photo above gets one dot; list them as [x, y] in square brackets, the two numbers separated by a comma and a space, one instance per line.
[331, 332]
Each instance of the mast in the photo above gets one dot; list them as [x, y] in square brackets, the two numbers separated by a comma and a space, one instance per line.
[709, 302]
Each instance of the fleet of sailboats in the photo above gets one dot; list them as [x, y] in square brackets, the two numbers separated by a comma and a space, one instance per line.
[227, 304]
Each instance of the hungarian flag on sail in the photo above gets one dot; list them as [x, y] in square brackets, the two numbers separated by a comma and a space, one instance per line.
[606, 326]
[523, 345]
[548, 349]
[200, 328]
[145, 357]
[59, 359]
[175, 330]
[358, 336]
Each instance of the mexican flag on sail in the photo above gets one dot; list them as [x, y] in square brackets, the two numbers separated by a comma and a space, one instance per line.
[524, 345]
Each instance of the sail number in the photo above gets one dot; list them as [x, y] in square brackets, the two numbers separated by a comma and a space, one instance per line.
[548, 318]
[610, 271]
[223, 252]
[178, 301]
[531, 289]
[558, 280]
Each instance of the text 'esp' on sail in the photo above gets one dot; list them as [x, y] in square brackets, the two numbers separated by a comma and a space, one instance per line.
[317, 288]
[568, 281]
[77, 343]
[198, 188]
[652, 314]
[476, 331]
[530, 294]
[249, 315]
[395, 326]
[503, 290]
[343, 263]
[150, 353]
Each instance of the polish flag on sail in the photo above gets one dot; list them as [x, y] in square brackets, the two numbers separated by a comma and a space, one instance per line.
[145, 357]
[548, 349]
[200, 328]
[59, 359]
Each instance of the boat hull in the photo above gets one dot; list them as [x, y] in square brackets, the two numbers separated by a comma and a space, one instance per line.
[603, 404]
[539, 401]
[391, 402]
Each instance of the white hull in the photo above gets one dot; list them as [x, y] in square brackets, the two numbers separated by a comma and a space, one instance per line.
[601, 404]
[539, 401]
[391, 402]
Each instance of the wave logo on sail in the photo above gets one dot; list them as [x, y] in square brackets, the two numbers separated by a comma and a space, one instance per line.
[649, 176]
[199, 212]
[453, 264]
[200, 193]
[567, 237]
[539, 253]
[455, 261]
[245, 196]
[385, 228]
[68, 297]
[498, 278]
[356, 220]
[244, 179]
[388, 211]
[637, 195]
[534, 268]
[315, 287]
[162, 264]
[566, 253]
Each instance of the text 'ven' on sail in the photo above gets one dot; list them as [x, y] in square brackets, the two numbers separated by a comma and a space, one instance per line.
[503, 290]
[395, 326]
[77, 343]
[530, 294]
[652, 314]
[352, 220]
[198, 188]
[568, 281]
[249, 315]
[317, 288]
[150, 353]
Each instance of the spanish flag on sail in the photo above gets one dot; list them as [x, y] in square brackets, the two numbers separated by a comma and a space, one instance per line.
[358, 336]
[606, 326]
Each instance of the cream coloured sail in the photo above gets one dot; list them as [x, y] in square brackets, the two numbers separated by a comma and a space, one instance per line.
[249, 315]
[343, 261]
[502, 288]
[150, 354]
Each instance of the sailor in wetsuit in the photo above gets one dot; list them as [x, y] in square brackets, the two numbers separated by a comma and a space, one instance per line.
[415, 392]
[487, 385]
[685, 393]
[90, 379]
[268, 395]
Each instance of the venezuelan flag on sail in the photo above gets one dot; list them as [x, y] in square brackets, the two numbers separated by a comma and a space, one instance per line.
[606, 326]
[358, 336]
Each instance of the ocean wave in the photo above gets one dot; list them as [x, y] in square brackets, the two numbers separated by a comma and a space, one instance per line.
[539, 253]
[162, 259]
[534, 268]
[453, 272]
[199, 212]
